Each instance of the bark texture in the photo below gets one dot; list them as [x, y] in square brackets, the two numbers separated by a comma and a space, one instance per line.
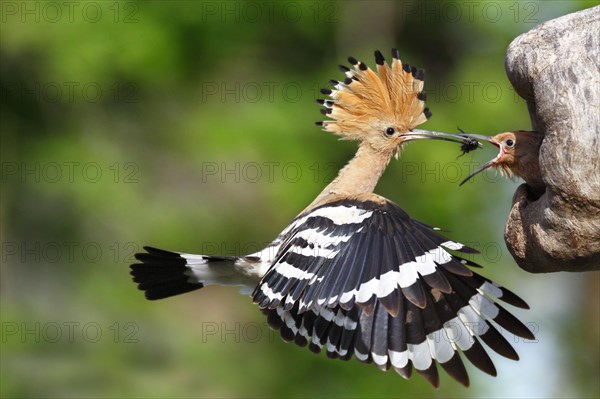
[555, 67]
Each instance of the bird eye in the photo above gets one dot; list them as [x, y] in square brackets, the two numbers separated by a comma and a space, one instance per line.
[390, 131]
[510, 143]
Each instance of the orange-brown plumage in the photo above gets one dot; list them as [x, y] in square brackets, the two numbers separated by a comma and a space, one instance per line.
[379, 110]
[518, 156]
[367, 104]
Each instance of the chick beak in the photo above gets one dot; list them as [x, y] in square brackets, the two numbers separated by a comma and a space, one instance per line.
[492, 163]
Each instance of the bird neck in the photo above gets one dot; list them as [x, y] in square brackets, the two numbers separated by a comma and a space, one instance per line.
[526, 165]
[359, 176]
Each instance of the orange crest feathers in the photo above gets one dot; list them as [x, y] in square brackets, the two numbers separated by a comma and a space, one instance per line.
[367, 101]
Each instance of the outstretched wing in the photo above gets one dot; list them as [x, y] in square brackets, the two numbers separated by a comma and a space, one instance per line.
[362, 278]
[415, 338]
[353, 251]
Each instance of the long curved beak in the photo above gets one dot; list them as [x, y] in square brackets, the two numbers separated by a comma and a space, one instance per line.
[481, 169]
[416, 134]
[488, 164]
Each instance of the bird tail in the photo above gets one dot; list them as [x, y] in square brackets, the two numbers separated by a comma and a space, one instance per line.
[162, 274]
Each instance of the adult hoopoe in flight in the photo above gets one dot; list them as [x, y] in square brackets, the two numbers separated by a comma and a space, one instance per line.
[353, 274]
[518, 156]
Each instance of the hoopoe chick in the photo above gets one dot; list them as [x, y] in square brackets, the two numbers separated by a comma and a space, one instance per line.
[518, 156]
[353, 274]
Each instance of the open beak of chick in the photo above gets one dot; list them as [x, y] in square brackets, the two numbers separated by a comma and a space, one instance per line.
[493, 163]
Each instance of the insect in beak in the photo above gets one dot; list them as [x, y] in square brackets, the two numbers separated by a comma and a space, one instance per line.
[489, 164]
[469, 144]
[416, 134]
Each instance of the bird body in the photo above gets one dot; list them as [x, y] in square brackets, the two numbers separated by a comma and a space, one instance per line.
[353, 274]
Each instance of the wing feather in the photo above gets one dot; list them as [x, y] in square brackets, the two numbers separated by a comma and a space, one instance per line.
[360, 278]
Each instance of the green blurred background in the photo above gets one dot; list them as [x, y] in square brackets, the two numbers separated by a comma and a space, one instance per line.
[190, 126]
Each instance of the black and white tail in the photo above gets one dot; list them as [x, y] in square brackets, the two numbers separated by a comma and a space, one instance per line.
[162, 274]
[360, 278]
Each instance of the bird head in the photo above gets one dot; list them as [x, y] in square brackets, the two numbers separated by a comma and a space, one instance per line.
[518, 151]
[379, 109]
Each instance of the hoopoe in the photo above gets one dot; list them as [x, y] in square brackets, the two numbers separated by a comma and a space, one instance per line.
[353, 274]
[518, 156]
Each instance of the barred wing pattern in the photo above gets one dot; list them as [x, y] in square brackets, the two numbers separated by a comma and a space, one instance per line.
[361, 278]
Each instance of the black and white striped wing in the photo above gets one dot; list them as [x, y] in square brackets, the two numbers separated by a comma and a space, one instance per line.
[361, 278]
[351, 251]
[415, 338]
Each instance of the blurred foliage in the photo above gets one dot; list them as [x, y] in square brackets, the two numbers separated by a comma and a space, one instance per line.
[189, 126]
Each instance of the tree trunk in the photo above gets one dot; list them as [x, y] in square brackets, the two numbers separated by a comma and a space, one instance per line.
[555, 67]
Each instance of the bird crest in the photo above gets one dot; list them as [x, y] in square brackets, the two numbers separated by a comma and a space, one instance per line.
[367, 101]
